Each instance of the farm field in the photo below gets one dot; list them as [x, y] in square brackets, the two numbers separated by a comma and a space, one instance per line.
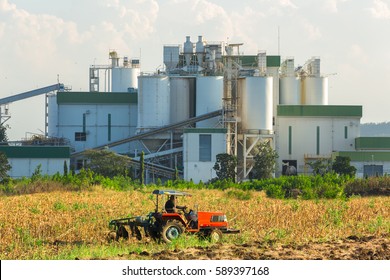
[74, 225]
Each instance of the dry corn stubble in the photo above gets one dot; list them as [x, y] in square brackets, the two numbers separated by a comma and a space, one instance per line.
[41, 223]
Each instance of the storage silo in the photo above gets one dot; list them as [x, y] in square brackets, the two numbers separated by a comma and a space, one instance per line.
[290, 90]
[257, 104]
[52, 121]
[209, 93]
[182, 98]
[314, 90]
[153, 102]
[124, 78]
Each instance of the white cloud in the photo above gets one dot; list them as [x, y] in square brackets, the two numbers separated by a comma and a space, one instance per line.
[287, 3]
[380, 10]
[206, 11]
[36, 28]
[312, 31]
[332, 6]
[357, 53]
[5, 6]
[136, 20]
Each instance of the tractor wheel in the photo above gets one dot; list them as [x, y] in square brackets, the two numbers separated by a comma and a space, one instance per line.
[138, 233]
[122, 232]
[172, 230]
[215, 235]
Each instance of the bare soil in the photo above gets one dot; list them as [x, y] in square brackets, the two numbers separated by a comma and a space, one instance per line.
[351, 248]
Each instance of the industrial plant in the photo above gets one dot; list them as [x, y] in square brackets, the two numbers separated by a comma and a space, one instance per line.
[208, 99]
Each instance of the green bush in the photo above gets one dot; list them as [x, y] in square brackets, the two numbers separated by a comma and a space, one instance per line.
[274, 191]
[328, 186]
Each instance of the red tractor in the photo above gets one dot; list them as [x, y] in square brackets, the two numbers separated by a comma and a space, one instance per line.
[169, 222]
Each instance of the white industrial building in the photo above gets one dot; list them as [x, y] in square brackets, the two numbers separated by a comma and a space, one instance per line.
[90, 119]
[26, 159]
[201, 147]
[306, 133]
[211, 99]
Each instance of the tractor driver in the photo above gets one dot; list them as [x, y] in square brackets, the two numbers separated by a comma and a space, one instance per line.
[170, 205]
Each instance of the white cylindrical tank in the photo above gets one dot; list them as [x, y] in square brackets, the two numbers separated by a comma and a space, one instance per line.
[52, 126]
[257, 104]
[153, 102]
[314, 91]
[124, 78]
[290, 91]
[209, 93]
[180, 99]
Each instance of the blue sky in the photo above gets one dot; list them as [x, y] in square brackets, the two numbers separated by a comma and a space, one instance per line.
[41, 39]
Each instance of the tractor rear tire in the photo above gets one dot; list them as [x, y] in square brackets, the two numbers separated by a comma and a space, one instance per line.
[215, 235]
[172, 230]
[122, 233]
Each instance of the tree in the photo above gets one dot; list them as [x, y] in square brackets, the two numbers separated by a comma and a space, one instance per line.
[265, 161]
[65, 168]
[321, 166]
[3, 133]
[107, 163]
[225, 167]
[4, 166]
[342, 166]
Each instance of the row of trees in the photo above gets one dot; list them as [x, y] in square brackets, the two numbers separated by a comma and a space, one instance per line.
[341, 166]
[265, 160]
[264, 164]
[109, 164]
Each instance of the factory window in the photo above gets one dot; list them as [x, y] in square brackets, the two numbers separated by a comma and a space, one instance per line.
[205, 147]
[346, 132]
[80, 136]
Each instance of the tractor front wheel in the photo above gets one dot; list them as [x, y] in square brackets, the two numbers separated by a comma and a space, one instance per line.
[172, 230]
[215, 235]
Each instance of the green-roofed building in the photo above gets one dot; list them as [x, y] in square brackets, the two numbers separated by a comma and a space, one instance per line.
[26, 159]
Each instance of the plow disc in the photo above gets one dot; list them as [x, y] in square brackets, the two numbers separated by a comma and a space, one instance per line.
[137, 227]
